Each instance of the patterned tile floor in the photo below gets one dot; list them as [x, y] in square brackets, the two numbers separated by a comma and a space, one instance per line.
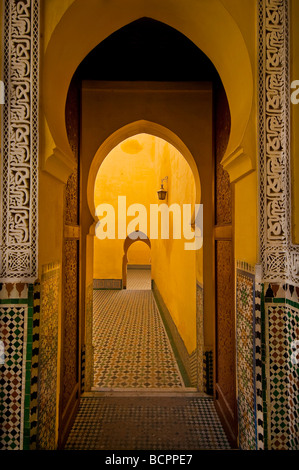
[138, 279]
[131, 346]
[147, 423]
[153, 410]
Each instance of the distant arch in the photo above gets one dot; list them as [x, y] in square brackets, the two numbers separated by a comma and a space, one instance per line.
[130, 130]
[132, 238]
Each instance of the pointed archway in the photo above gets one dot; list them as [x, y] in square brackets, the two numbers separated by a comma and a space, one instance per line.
[131, 238]
[61, 163]
[74, 41]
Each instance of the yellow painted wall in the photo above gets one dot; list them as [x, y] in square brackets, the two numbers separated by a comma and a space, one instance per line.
[173, 268]
[52, 12]
[129, 170]
[246, 189]
[135, 169]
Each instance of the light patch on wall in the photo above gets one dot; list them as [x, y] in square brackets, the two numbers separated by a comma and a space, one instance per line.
[131, 146]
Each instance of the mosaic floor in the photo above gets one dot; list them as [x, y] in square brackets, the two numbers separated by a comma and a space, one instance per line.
[131, 346]
[143, 403]
[138, 279]
[147, 423]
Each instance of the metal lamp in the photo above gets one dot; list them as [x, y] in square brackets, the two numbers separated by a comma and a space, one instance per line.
[162, 192]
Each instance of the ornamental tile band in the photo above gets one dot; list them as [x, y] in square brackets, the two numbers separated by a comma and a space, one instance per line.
[246, 376]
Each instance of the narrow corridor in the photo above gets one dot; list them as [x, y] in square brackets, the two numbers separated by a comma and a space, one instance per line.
[140, 401]
[131, 346]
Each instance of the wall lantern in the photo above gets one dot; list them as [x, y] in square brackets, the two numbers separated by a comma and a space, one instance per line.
[162, 192]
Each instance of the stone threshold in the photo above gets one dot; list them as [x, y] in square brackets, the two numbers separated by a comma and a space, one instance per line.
[137, 392]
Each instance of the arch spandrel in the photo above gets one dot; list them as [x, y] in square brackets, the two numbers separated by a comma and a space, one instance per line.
[88, 22]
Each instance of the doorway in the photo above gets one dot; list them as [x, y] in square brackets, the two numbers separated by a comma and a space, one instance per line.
[189, 114]
[126, 188]
[137, 272]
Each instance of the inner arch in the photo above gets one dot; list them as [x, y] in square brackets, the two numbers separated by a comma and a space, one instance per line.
[130, 130]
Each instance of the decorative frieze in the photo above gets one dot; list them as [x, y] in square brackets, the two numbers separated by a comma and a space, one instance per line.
[19, 163]
[279, 256]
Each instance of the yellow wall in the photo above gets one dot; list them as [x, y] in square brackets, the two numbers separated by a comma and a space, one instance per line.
[175, 271]
[131, 173]
[52, 12]
[134, 169]
[246, 189]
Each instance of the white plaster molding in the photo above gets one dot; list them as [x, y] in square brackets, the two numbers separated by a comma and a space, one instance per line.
[238, 165]
[19, 175]
[279, 256]
[59, 165]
